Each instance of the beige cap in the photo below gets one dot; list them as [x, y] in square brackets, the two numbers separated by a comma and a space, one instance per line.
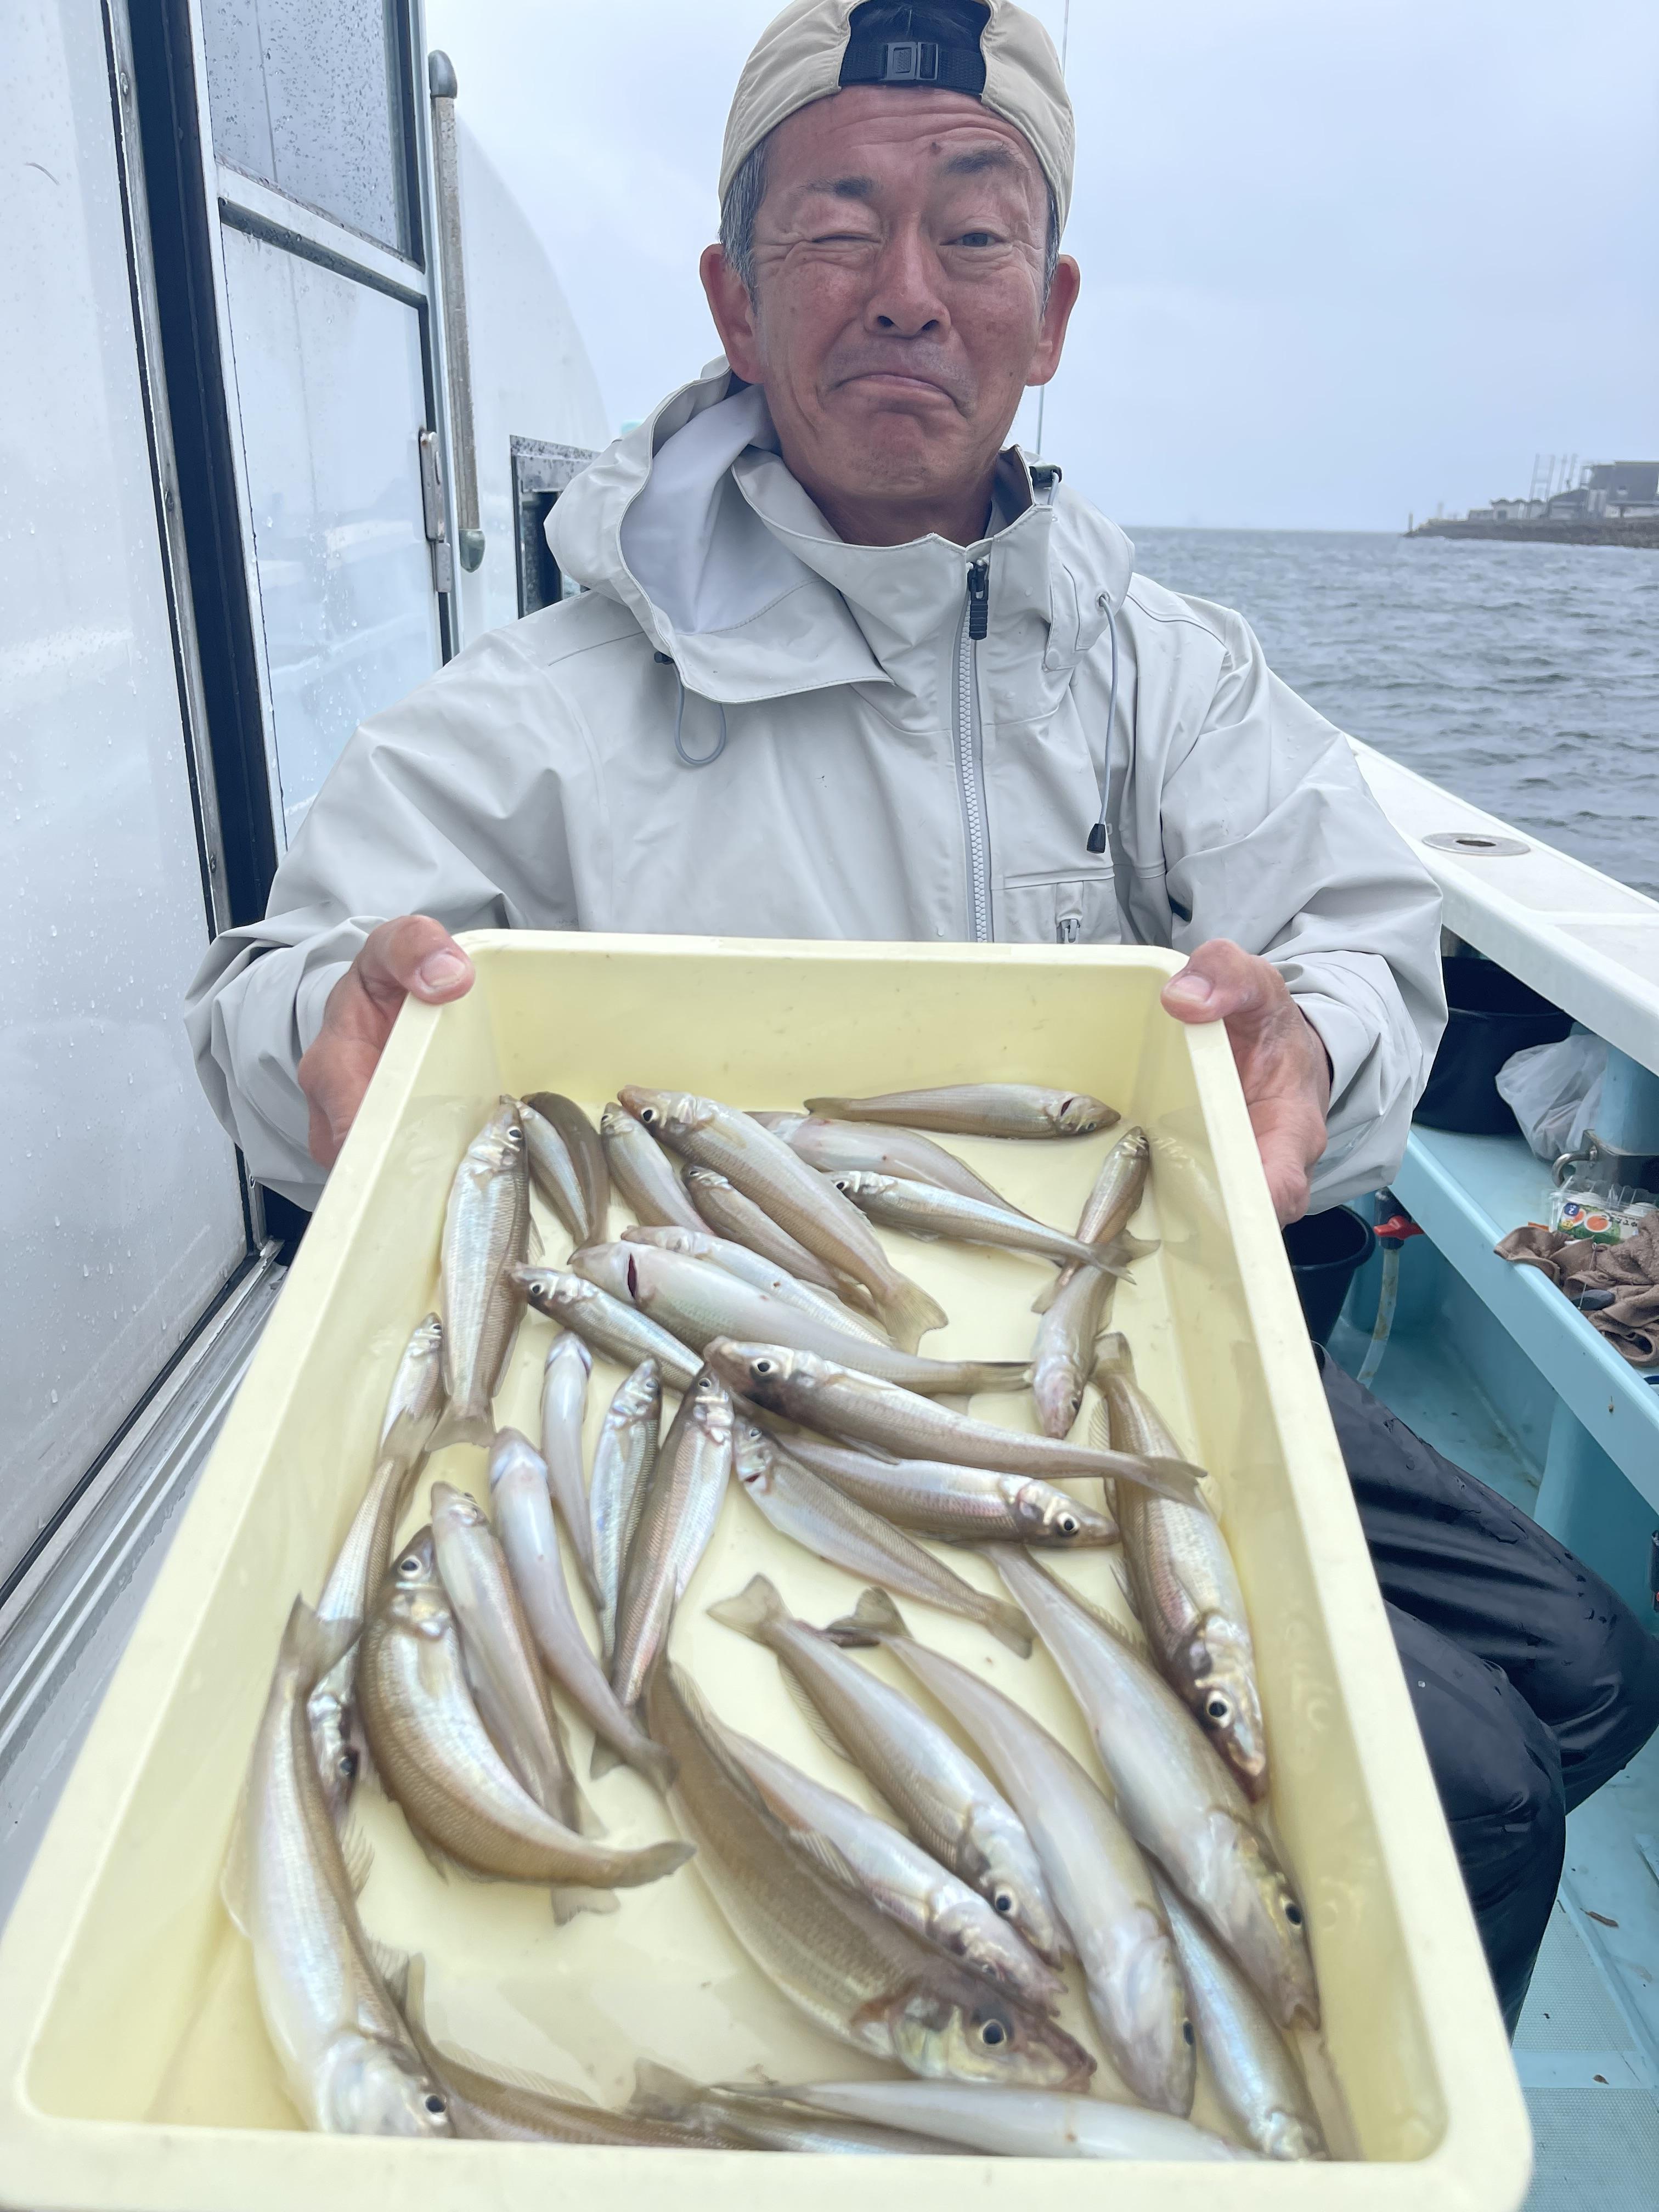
[799, 58]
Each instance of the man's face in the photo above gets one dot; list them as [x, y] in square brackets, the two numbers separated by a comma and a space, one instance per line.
[897, 312]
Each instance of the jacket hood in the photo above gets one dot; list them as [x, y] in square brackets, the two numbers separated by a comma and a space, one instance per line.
[692, 521]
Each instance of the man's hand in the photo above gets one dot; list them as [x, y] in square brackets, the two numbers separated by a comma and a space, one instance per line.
[1282, 1064]
[412, 954]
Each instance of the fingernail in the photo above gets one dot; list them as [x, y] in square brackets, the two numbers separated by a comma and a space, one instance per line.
[1193, 987]
[441, 971]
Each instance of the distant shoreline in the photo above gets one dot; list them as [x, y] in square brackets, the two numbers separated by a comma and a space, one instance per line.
[1641, 531]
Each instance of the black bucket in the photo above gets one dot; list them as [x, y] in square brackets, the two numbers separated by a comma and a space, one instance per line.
[1492, 1015]
[1325, 1252]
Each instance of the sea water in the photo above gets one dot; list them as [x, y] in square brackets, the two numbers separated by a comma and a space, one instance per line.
[1524, 677]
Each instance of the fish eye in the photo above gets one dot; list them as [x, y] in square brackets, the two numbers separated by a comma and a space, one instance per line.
[346, 1765]
[1004, 1900]
[1219, 1709]
[435, 2105]
[648, 1115]
[412, 1565]
[1187, 2035]
[992, 2032]
[1293, 1913]
[763, 1366]
[1066, 1524]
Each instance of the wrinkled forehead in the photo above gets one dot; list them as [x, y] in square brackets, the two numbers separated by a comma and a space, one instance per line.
[873, 142]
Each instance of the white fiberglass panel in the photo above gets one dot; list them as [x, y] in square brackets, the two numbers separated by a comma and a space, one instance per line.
[332, 402]
[120, 1215]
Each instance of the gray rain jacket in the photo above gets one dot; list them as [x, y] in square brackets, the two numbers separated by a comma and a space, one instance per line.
[872, 770]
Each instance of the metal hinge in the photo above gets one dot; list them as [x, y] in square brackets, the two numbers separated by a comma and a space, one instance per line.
[432, 513]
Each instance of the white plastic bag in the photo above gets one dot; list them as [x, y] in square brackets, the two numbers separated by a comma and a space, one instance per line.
[1556, 1091]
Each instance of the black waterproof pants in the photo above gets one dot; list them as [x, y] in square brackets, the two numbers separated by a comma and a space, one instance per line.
[1532, 1682]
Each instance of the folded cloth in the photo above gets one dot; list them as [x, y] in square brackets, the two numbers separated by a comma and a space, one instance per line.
[1614, 1286]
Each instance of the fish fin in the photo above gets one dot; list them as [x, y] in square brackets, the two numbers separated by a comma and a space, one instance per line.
[587, 1822]
[312, 1647]
[909, 1314]
[659, 2092]
[569, 1900]
[607, 1757]
[829, 1859]
[392, 1967]
[979, 1375]
[460, 1425]
[413, 2007]
[874, 1616]
[1113, 1356]
[754, 1608]
[358, 1854]
[656, 1766]
[1046, 1297]
[1009, 1626]
[1124, 1249]
[814, 1719]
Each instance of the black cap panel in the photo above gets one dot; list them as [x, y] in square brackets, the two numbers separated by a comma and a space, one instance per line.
[936, 45]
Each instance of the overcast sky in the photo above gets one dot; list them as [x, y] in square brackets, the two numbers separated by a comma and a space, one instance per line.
[1340, 261]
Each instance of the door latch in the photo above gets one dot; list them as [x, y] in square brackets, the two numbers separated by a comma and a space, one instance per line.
[432, 513]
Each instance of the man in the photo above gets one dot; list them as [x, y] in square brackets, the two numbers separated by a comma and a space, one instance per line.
[847, 668]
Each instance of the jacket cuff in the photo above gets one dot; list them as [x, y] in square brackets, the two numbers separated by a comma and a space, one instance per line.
[311, 1001]
[1348, 1039]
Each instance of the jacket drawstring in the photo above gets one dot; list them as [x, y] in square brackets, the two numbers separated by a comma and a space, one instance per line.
[1098, 834]
[691, 759]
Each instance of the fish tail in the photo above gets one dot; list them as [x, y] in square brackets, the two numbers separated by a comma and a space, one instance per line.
[310, 1647]
[463, 1424]
[659, 2092]
[654, 1861]
[757, 1607]
[570, 1897]
[977, 1375]
[1112, 1357]
[908, 1314]
[1009, 1626]
[606, 1757]
[656, 1764]
[874, 1616]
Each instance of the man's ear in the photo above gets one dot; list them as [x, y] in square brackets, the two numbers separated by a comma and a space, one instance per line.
[733, 311]
[1051, 332]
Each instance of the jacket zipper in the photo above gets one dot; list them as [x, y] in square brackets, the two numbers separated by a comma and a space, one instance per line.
[971, 765]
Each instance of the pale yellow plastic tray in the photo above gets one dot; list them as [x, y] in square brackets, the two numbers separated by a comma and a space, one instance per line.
[134, 2070]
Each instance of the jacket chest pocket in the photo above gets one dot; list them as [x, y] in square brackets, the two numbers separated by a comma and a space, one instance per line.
[1059, 906]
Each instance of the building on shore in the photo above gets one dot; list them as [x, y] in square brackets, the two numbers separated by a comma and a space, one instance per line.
[1611, 503]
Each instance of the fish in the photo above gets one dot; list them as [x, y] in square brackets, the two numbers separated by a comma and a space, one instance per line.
[955, 1505]
[753, 1268]
[921, 1209]
[1020, 2123]
[586, 1152]
[979, 1109]
[1106, 1894]
[553, 1172]
[622, 1459]
[643, 1172]
[499, 1655]
[829, 1951]
[949, 1805]
[1253, 2070]
[486, 1229]
[740, 1221]
[523, 1517]
[898, 1875]
[697, 1303]
[564, 1406]
[827, 1523]
[1186, 1586]
[821, 1394]
[609, 1325]
[327, 1995]
[1063, 1356]
[759, 2121]
[436, 1757]
[1118, 1190]
[797, 1198]
[416, 1396]
[1175, 1795]
[678, 1509]
[836, 1147]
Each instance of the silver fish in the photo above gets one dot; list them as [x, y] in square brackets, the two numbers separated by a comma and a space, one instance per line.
[591, 1200]
[609, 1325]
[823, 1520]
[499, 1655]
[677, 1513]
[346, 2057]
[1019, 2123]
[921, 1209]
[754, 2120]
[1063, 1356]
[1255, 2071]
[797, 1198]
[1118, 1190]
[1103, 1889]
[846, 1966]
[697, 1303]
[523, 1516]
[740, 1221]
[883, 1864]
[416, 1396]
[948, 1804]
[1176, 1797]
[564, 1407]
[979, 1109]
[821, 1394]
[756, 1269]
[552, 1170]
[1186, 1587]
[622, 1459]
[436, 1759]
[954, 1504]
[643, 1172]
[839, 1147]
[486, 1226]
